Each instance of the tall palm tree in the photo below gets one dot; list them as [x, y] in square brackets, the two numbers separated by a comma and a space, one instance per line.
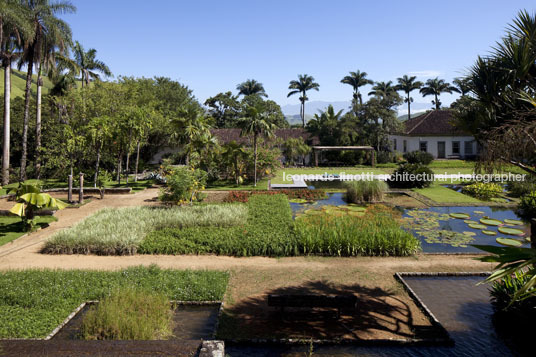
[436, 86]
[304, 83]
[407, 85]
[43, 18]
[88, 64]
[462, 84]
[251, 87]
[383, 89]
[13, 28]
[357, 79]
[256, 123]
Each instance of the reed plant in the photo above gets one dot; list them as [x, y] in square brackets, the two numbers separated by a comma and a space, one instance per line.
[365, 191]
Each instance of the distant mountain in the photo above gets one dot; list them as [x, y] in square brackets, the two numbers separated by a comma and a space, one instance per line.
[313, 107]
[413, 115]
[296, 119]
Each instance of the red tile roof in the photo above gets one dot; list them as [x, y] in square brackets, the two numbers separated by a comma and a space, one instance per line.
[435, 122]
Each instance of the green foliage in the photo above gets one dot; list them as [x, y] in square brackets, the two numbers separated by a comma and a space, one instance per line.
[365, 191]
[268, 231]
[183, 185]
[295, 149]
[483, 190]
[377, 233]
[120, 231]
[527, 205]
[129, 314]
[503, 291]
[419, 157]
[521, 188]
[34, 302]
[412, 176]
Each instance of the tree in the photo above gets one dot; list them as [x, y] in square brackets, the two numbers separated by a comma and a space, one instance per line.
[304, 83]
[435, 87]
[256, 123]
[325, 125]
[295, 148]
[224, 108]
[88, 64]
[383, 89]
[463, 85]
[407, 85]
[357, 79]
[14, 27]
[42, 15]
[234, 152]
[251, 87]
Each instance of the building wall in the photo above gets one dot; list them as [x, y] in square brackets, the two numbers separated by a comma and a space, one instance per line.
[413, 144]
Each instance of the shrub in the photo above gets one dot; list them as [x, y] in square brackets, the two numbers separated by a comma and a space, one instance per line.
[306, 194]
[129, 314]
[419, 157]
[521, 188]
[527, 205]
[377, 233]
[183, 185]
[503, 291]
[120, 230]
[267, 232]
[365, 191]
[34, 302]
[482, 190]
[412, 176]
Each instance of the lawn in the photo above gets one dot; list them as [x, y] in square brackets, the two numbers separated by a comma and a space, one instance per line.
[232, 186]
[443, 194]
[34, 302]
[11, 227]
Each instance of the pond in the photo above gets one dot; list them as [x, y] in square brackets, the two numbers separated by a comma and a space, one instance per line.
[441, 232]
[461, 306]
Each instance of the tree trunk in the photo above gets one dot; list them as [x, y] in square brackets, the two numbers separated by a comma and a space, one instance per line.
[26, 119]
[137, 160]
[119, 168]
[303, 113]
[255, 159]
[436, 102]
[409, 112]
[128, 154]
[236, 169]
[97, 165]
[38, 124]
[7, 121]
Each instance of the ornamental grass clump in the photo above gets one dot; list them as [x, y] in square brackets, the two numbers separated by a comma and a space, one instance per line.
[129, 314]
[365, 191]
[119, 231]
[377, 233]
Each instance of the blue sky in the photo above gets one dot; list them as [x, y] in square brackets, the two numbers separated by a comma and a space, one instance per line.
[211, 46]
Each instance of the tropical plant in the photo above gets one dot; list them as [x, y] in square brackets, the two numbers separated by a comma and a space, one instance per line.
[235, 153]
[184, 185]
[357, 79]
[295, 148]
[463, 85]
[527, 205]
[325, 125]
[383, 89]
[29, 200]
[14, 27]
[304, 83]
[483, 190]
[435, 87]
[49, 31]
[88, 64]
[407, 85]
[251, 87]
[256, 123]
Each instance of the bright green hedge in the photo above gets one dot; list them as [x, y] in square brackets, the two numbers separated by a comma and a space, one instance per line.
[34, 302]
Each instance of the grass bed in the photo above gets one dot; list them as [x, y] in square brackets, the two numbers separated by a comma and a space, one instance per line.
[121, 230]
[443, 194]
[129, 314]
[365, 191]
[34, 302]
[377, 233]
[11, 227]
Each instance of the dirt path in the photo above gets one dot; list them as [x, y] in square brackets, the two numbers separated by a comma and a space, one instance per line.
[31, 244]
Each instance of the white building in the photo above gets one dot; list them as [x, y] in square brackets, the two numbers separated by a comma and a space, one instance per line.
[435, 132]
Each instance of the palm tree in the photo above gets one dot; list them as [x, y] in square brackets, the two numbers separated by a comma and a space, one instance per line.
[462, 84]
[88, 64]
[251, 87]
[357, 79]
[13, 28]
[234, 152]
[407, 85]
[304, 83]
[435, 87]
[193, 131]
[383, 89]
[256, 122]
[43, 18]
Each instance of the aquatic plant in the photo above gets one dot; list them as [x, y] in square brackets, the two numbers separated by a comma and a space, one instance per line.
[511, 231]
[483, 190]
[365, 191]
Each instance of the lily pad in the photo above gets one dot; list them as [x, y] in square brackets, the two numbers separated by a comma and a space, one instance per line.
[509, 242]
[490, 222]
[460, 215]
[468, 233]
[511, 231]
[479, 212]
[514, 222]
[477, 226]
[489, 233]
[468, 221]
